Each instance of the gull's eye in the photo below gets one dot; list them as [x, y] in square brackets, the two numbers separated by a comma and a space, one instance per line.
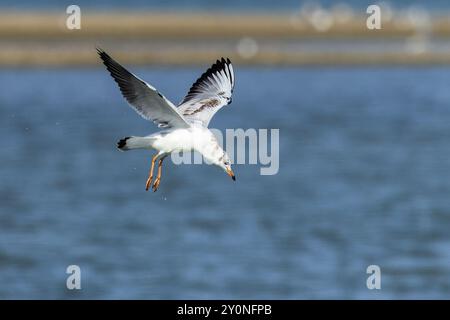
[230, 100]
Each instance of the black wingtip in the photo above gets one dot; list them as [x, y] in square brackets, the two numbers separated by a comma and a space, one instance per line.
[100, 51]
[224, 61]
[103, 55]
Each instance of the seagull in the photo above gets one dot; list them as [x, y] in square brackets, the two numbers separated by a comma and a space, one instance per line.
[184, 128]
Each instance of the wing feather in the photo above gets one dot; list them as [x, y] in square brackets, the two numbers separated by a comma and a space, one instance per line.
[209, 93]
[142, 97]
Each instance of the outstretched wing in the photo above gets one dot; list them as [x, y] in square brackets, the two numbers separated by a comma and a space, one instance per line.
[209, 93]
[142, 97]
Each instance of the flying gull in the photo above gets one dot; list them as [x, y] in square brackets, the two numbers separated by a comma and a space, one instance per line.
[184, 127]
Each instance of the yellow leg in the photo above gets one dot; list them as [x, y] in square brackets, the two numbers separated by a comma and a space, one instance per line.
[158, 177]
[150, 174]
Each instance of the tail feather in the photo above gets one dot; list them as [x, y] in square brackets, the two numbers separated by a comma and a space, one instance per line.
[122, 143]
[129, 143]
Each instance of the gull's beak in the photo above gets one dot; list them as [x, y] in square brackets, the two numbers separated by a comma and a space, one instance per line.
[231, 174]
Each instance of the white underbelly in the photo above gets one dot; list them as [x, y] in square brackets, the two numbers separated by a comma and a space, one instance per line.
[181, 140]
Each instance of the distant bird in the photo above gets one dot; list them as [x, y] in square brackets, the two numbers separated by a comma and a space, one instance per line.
[185, 128]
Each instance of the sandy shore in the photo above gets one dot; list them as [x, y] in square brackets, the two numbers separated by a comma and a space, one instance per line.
[42, 39]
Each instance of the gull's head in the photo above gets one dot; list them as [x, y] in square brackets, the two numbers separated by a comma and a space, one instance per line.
[214, 154]
[225, 163]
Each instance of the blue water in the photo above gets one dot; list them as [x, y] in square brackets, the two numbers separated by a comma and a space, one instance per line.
[229, 5]
[364, 179]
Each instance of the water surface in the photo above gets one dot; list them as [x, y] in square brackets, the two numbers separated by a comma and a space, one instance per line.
[364, 179]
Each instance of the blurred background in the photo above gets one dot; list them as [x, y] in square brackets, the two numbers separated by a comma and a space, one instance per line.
[364, 155]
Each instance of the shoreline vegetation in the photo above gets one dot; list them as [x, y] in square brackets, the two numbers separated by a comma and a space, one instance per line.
[300, 38]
